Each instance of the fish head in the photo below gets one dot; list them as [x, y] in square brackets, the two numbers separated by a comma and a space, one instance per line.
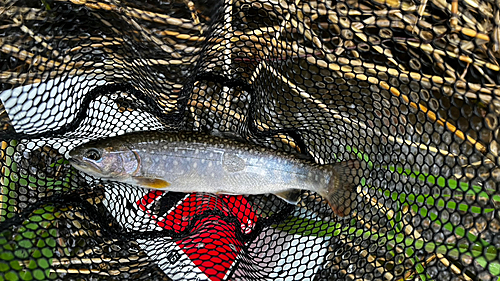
[105, 159]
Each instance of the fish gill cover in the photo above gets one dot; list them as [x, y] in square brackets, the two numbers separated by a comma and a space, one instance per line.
[409, 88]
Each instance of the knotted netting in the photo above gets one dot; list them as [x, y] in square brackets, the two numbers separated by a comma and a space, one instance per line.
[409, 88]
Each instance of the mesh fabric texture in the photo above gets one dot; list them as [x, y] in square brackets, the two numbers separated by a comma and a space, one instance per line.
[410, 88]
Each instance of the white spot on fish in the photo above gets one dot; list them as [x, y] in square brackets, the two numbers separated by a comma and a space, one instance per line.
[232, 163]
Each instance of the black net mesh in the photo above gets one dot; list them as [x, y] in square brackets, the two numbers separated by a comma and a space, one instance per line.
[410, 88]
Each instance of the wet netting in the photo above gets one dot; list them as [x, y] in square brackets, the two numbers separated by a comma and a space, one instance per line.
[409, 88]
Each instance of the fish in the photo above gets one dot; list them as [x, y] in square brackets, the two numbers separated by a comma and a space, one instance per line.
[197, 162]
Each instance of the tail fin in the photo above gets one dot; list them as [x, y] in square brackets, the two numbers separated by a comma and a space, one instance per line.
[339, 193]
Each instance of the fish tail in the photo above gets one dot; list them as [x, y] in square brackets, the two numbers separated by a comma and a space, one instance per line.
[340, 193]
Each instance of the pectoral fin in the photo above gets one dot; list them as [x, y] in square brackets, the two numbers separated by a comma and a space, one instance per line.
[151, 182]
[291, 196]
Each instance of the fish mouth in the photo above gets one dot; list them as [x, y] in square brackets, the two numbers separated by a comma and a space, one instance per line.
[84, 166]
[76, 162]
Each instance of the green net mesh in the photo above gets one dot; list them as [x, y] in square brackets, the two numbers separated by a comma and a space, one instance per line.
[410, 88]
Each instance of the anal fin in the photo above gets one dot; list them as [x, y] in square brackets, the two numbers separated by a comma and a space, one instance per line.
[291, 196]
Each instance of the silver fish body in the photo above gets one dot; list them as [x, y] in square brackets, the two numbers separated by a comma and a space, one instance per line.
[195, 162]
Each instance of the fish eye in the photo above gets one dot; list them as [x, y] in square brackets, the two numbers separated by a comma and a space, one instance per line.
[92, 154]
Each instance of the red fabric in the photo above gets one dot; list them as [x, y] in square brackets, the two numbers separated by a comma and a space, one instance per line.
[212, 245]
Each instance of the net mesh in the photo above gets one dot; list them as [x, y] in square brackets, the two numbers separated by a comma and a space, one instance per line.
[410, 88]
